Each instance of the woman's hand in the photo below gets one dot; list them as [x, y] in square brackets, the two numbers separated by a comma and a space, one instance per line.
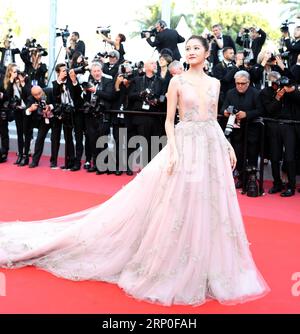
[173, 160]
[232, 158]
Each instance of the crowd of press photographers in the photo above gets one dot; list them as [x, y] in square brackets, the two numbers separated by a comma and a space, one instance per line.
[86, 100]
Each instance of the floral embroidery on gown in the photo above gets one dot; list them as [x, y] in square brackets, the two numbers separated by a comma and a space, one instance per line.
[169, 239]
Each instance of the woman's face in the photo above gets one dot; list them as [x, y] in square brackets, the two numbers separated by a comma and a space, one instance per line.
[118, 39]
[14, 72]
[195, 52]
[162, 62]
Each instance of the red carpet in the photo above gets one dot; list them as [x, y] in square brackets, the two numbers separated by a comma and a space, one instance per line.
[272, 224]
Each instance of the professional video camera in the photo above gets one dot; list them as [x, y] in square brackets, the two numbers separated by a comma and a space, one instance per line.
[64, 34]
[103, 30]
[231, 121]
[153, 33]
[285, 26]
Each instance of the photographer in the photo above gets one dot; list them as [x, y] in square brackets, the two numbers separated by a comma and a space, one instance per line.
[8, 55]
[32, 55]
[226, 70]
[117, 44]
[4, 134]
[266, 63]
[252, 40]
[66, 92]
[245, 101]
[295, 70]
[292, 46]
[112, 66]
[39, 114]
[17, 89]
[218, 43]
[281, 103]
[75, 45]
[98, 95]
[165, 38]
[122, 122]
[144, 95]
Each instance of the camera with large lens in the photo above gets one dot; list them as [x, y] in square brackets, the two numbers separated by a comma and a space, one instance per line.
[65, 112]
[148, 96]
[152, 32]
[231, 120]
[103, 30]
[210, 37]
[98, 57]
[283, 82]
[32, 45]
[64, 34]
[285, 26]
[82, 67]
[9, 37]
[15, 102]
[42, 104]
[126, 75]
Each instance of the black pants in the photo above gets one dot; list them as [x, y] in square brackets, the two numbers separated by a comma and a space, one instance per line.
[80, 132]
[96, 127]
[19, 119]
[123, 162]
[283, 136]
[4, 134]
[43, 129]
[253, 145]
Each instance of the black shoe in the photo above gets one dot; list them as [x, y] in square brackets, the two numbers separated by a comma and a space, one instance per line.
[129, 172]
[53, 165]
[24, 161]
[299, 190]
[288, 193]
[109, 172]
[118, 172]
[92, 169]
[33, 165]
[87, 165]
[75, 168]
[3, 159]
[68, 167]
[238, 184]
[275, 190]
[100, 173]
[19, 159]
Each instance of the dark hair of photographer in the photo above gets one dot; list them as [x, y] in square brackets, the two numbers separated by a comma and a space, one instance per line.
[76, 60]
[165, 38]
[164, 74]
[75, 45]
[117, 44]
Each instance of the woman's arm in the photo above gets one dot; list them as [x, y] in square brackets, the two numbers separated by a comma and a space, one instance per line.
[169, 124]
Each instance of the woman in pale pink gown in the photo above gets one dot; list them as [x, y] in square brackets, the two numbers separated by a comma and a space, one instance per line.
[173, 235]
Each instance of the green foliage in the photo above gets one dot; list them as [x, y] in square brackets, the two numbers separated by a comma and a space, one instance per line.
[232, 21]
[8, 21]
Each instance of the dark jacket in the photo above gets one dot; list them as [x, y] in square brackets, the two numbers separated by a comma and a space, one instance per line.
[294, 49]
[227, 42]
[167, 39]
[13, 53]
[248, 102]
[257, 43]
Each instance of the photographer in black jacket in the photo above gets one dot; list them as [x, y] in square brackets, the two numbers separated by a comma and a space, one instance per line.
[293, 46]
[245, 101]
[281, 102]
[98, 95]
[8, 55]
[144, 95]
[165, 38]
[66, 92]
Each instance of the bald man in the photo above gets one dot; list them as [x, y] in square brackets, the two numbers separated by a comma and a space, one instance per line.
[39, 115]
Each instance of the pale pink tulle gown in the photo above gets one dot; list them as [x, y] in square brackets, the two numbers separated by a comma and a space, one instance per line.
[176, 239]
